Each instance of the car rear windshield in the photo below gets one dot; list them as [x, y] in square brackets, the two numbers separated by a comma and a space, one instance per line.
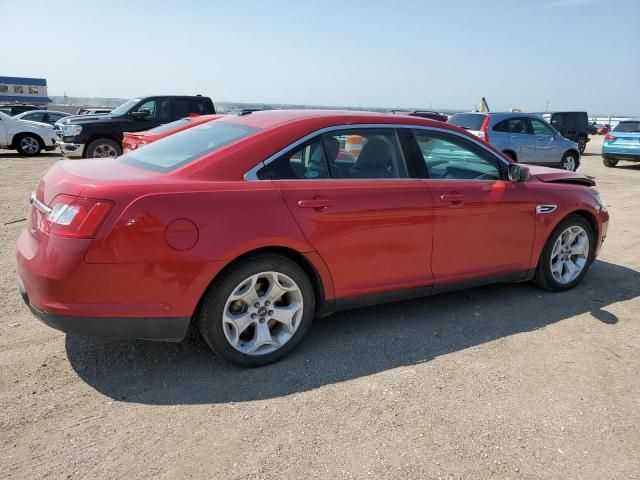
[171, 125]
[468, 121]
[183, 147]
[628, 127]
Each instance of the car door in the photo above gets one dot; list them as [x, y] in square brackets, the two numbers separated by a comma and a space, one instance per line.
[522, 140]
[483, 224]
[548, 149]
[159, 112]
[371, 224]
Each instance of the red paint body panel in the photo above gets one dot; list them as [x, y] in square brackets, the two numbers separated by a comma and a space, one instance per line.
[372, 236]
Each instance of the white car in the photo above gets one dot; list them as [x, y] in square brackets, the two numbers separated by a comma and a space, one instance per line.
[28, 138]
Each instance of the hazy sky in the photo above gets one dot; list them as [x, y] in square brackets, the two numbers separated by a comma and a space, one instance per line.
[577, 54]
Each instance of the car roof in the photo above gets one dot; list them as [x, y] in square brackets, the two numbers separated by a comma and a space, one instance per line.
[271, 118]
[43, 111]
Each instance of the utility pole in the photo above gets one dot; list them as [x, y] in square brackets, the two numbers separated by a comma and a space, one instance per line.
[547, 109]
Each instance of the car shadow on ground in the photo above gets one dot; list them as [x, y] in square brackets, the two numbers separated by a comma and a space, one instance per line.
[628, 166]
[40, 156]
[344, 346]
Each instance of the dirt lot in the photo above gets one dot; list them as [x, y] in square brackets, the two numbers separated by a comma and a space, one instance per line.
[505, 381]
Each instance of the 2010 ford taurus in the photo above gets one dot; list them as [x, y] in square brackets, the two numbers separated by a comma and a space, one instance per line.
[252, 225]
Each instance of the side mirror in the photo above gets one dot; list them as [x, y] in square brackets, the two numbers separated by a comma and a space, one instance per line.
[141, 114]
[518, 173]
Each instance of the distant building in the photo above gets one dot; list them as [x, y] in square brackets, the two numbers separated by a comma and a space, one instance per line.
[23, 90]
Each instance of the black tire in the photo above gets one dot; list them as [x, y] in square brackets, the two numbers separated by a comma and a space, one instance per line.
[209, 316]
[565, 161]
[543, 277]
[28, 144]
[609, 162]
[103, 148]
[582, 145]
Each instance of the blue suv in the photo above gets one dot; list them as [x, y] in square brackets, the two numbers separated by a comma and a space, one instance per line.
[524, 137]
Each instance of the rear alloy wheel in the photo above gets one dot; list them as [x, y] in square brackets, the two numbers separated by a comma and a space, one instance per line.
[609, 162]
[104, 148]
[582, 145]
[567, 255]
[258, 311]
[569, 162]
[28, 145]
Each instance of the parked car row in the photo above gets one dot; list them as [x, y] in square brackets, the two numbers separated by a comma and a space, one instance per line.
[523, 137]
[27, 137]
[100, 136]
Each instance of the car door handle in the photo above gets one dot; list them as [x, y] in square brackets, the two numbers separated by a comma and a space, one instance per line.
[316, 203]
[454, 198]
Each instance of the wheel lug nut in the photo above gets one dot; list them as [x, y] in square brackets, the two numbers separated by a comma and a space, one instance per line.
[267, 303]
[262, 320]
[256, 305]
[270, 312]
[254, 316]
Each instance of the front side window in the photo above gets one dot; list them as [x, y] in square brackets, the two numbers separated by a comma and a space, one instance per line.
[447, 157]
[541, 128]
[184, 147]
[305, 162]
[18, 89]
[125, 107]
[4, 88]
[33, 91]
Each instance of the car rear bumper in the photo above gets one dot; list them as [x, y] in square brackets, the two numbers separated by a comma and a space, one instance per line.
[160, 328]
[131, 300]
[632, 157]
[71, 150]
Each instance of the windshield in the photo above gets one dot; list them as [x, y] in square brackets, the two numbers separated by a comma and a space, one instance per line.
[183, 147]
[170, 126]
[468, 121]
[125, 107]
[628, 127]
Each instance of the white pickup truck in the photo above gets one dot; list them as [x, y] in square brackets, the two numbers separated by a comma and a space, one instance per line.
[28, 138]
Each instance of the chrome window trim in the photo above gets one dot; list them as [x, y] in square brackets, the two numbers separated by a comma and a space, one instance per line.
[252, 175]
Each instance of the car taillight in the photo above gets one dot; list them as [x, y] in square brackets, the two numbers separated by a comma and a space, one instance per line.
[484, 129]
[75, 217]
[610, 137]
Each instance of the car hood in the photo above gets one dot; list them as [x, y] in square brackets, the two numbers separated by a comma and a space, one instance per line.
[80, 119]
[556, 175]
[33, 124]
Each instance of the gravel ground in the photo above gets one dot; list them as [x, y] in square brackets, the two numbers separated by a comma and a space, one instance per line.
[505, 381]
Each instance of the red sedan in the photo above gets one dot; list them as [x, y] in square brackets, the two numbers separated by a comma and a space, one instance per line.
[133, 140]
[252, 225]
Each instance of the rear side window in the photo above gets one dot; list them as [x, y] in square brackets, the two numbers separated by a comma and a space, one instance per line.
[513, 125]
[305, 162]
[368, 153]
[628, 127]
[184, 147]
[468, 121]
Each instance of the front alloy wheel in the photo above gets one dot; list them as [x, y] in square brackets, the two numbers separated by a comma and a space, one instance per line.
[567, 255]
[569, 162]
[258, 310]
